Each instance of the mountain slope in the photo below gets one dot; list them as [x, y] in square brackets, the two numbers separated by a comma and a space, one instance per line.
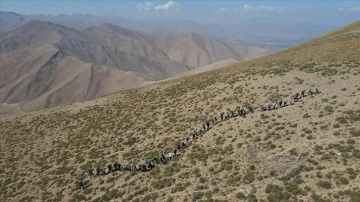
[196, 50]
[38, 58]
[308, 151]
[339, 45]
[210, 67]
[37, 74]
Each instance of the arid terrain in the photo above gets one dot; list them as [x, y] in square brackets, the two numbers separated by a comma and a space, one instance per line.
[308, 151]
[45, 64]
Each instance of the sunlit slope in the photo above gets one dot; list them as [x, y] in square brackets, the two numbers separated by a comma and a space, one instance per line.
[339, 45]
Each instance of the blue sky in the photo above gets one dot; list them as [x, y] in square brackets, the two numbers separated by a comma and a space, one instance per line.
[329, 12]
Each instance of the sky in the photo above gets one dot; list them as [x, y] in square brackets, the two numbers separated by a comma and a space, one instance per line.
[326, 12]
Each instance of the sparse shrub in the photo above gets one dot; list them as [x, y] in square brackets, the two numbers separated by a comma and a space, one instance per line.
[329, 109]
[292, 188]
[78, 197]
[351, 171]
[208, 194]
[318, 174]
[336, 133]
[318, 198]
[162, 183]
[309, 137]
[249, 178]
[294, 125]
[202, 180]
[293, 152]
[329, 72]
[354, 195]
[343, 180]
[276, 193]
[197, 195]
[355, 133]
[240, 195]
[341, 119]
[324, 184]
[336, 125]
[350, 141]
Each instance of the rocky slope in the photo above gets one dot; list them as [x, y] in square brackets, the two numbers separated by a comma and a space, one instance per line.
[45, 64]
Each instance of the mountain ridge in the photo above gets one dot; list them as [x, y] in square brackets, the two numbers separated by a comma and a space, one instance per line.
[246, 30]
[111, 48]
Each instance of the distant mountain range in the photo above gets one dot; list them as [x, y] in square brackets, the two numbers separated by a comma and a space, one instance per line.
[259, 31]
[45, 64]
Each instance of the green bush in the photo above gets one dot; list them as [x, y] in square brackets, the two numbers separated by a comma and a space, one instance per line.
[324, 184]
[343, 180]
[78, 197]
[249, 178]
[306, 115]
[240, 195]
[329, 109]
[197, 195]
[278, 196]
[162, 183]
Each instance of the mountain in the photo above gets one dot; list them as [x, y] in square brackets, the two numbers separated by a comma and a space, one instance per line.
[308, 151]
[216, 65]
[259, 31]
[10, 20]
[46, 64]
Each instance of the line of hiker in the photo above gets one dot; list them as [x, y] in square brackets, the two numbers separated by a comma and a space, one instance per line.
[163, 157]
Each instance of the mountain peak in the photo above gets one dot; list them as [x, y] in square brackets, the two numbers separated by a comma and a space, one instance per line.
[9, 13]
[42, 25]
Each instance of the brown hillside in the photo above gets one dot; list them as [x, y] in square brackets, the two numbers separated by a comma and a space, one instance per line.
[44, 64]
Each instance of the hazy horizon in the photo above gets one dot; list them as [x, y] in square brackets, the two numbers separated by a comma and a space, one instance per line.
[327, 13]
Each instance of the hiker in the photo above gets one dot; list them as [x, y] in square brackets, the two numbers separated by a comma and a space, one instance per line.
[170, 156]
[193, 135]
[91, 173]
[264, 107]
[280, 103]
[183, 144]
[81, 184]
[303, 93]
